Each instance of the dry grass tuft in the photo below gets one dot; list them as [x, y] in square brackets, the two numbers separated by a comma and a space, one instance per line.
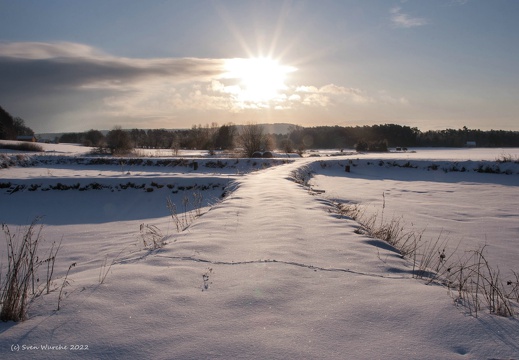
[472, 281]
[21, 281]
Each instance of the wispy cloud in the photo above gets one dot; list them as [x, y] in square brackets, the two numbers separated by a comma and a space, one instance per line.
[402, 20]
[458, 2]
[332, 94]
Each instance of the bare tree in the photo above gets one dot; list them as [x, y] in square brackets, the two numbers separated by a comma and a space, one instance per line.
[175, 144]
[119, 141]
[251, 139]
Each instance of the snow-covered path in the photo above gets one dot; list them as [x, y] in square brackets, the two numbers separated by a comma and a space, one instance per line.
[268, 273]
[268, 217]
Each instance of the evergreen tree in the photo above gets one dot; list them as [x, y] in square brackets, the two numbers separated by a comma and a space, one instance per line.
[11, 127]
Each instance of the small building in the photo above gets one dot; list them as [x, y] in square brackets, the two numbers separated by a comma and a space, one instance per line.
[29, 138]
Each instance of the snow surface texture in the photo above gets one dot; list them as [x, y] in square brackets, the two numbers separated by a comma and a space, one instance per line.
[266, 273]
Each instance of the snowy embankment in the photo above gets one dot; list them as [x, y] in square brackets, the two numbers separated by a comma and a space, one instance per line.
[269, 272]
[468, 203]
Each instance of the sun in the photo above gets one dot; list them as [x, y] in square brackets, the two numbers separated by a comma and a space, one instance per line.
[260, 80]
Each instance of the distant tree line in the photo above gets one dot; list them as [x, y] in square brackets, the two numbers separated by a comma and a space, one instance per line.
[460, 137]
[228, 136]
[380, 137]
[376, 137]
[208, 137]
[11, 127]
[251, 138]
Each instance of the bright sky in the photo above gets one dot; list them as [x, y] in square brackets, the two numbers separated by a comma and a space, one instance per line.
[73, 65]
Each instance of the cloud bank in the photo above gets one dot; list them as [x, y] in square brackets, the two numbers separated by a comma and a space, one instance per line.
[67, 86]
[71, 65]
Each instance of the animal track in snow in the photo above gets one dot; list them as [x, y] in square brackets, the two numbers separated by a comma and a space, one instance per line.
[273, 261]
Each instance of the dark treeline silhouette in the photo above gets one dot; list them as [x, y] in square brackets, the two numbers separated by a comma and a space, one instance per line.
[363, 138]
[11, 127]
[327, 137]
[88, 138]
[208, 137]
[198, 137]
[460, 137]
[391, 135]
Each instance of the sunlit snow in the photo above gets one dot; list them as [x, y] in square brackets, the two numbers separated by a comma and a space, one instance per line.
[267, 271]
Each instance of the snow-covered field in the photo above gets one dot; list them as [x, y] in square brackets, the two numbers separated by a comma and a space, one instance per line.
[266, 271]
[447, 193]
